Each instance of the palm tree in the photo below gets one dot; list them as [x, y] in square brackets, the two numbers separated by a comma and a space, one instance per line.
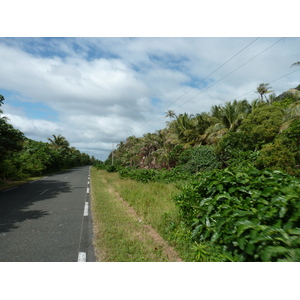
[296, 64]
[1, 99]
[183, 127]
[292, 113]
[59, 143]
[263, 89]
[226, 118]
[234, 113]
[171, 114]
[4, 119]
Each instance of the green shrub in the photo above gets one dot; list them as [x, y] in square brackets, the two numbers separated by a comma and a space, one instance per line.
[145, 175]
[111, 168]
[199, 159]
[253, 215]
[236, 148]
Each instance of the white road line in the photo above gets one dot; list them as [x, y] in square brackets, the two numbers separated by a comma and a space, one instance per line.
[10, 189]
[88, 182]
[66, 177]
[88, 190]
[33, 181]
[86, 209]
[44, 191]
[82, 257]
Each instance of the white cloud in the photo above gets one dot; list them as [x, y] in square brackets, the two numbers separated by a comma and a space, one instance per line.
[106, 89]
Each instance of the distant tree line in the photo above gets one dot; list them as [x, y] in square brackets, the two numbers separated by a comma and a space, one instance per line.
[264, 133]
[21, 157]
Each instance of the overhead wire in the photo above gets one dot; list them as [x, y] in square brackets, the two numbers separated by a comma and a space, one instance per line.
[269, 83]
[225, 77]
[197, 84]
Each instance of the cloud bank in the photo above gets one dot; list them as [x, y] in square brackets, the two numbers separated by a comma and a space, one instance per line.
[98, 91]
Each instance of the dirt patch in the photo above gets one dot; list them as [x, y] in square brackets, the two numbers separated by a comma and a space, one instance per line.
[150, 231]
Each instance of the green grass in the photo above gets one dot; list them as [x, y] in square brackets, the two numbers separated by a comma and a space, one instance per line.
[152, 201]
[121, 234]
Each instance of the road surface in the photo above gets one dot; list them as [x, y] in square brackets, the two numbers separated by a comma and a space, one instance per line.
[48, 220]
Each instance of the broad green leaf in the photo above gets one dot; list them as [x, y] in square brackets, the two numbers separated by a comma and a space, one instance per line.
[215, 237]
[243, 225]
[283, 211]
[204, 201]
[232, 190]
[207, 222]
[222, 196]
[220, 187]
[250, 249]
[197, 231]
[241, 242]
[209, 209]
[271, 251]
[267, 191]
[295, 231]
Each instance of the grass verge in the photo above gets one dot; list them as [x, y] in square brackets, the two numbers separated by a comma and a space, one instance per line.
[130, 218]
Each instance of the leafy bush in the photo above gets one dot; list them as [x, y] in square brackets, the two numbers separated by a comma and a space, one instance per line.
[236, 148]
[111, 168]
[284, 152]
[199, 159]
[253, 215]
[146, 175]
[262, 125]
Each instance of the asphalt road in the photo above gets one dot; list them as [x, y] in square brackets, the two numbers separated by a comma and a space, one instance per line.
[48, 220]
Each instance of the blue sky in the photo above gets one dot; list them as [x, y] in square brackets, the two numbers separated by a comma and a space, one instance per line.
[98, 91]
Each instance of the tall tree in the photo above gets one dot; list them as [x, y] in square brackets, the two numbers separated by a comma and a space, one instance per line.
[296, 64]
[1, 99]
[1, 111]
[171, 114]
[291, 113]
[263, 89]
[59, 142]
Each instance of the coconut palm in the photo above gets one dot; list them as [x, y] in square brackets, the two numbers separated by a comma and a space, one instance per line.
[1, 99]
[59, 143]
[296, 64]
[184, 127]
[263, 89]
[226, 118]
[292, 113]
[4, 119]
[256, 103]
[171, 114]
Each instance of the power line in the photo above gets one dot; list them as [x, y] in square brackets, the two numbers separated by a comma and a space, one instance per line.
[269, 83]
[229, 75]
[232, 72]
[200, 82]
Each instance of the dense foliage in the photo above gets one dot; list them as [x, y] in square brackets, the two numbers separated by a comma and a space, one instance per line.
[21, 157]
[235, 133]
[254, 215]
[239, 169]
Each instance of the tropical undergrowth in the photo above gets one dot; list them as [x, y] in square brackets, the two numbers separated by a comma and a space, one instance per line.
[239, 213]
[248, 214]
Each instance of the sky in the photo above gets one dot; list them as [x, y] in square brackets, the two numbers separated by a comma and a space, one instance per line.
[98, 91]
[97, 75]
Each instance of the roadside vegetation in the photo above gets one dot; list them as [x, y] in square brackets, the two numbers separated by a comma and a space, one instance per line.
[130, 217]
[22, 158]
[237, 174]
